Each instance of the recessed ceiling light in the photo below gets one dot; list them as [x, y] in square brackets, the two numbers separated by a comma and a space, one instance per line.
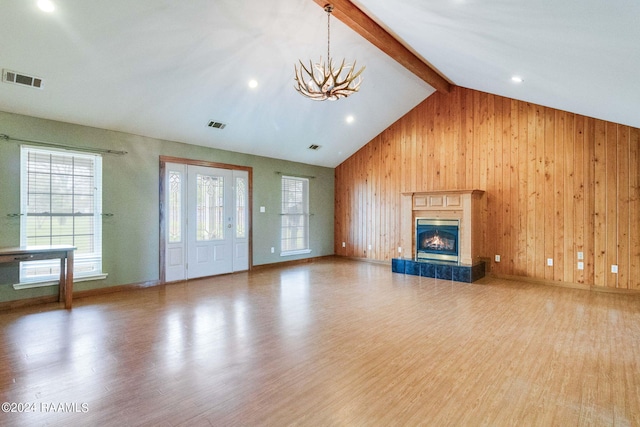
[253, 84]
[46, 6]
[517, 79]
[350, 119]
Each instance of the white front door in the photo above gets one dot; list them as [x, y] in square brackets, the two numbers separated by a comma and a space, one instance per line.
[212, 210]
[210, 221]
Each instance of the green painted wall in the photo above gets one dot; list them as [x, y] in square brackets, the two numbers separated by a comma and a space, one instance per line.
[131, 194]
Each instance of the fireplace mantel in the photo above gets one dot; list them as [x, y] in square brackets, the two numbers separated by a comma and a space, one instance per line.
[467, 206]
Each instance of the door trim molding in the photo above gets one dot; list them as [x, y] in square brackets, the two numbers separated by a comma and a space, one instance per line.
[163, 224]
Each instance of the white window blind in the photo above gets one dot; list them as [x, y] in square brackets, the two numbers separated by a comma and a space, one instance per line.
[294, 236]
[61, 204]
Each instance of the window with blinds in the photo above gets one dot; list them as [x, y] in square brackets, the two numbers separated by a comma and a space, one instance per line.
[61, 198]
[294, 234]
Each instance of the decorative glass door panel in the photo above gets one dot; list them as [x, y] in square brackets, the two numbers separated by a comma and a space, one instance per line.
[175, 214]
[241, 220]
[209, 208]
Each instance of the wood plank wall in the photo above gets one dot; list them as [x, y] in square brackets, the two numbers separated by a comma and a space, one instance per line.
[557, 184]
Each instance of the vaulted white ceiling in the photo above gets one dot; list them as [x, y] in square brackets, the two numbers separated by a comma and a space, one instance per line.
[165, 69]
[581, 56]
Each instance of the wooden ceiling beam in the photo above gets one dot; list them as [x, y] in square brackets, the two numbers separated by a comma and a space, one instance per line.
[362, 24]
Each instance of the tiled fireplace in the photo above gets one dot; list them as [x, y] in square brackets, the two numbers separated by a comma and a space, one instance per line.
[442, 235]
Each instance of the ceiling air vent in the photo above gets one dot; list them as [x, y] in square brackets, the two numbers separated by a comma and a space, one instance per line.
[216, 125]
[314, 147]
[14, 77]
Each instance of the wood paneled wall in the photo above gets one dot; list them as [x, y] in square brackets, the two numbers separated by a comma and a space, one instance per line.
[556, 184]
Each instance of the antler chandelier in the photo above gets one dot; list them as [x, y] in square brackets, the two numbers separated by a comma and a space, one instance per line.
[323, 80]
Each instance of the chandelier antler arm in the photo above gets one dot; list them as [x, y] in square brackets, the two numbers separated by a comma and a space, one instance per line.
[356, 75]
[348, 82]
[350, 85]
[310, 73]
[327, 76]
[303, 88]
[349, 79]
[341, 84]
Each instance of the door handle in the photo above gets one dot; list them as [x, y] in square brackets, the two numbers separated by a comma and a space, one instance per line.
[230, 225]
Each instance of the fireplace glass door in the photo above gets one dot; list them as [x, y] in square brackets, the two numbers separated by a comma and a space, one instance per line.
[437, 239]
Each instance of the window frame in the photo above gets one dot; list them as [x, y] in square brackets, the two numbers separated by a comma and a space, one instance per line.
[87, 265]
[304, 216]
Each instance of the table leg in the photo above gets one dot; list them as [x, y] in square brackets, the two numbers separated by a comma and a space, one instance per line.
[68, 289]
[63, 279]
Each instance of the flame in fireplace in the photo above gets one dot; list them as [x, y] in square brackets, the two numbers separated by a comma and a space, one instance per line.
[438, 243]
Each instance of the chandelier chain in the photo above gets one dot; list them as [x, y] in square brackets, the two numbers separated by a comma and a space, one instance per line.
[328, 9]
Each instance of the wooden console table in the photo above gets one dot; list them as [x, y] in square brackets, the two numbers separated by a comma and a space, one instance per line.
[36, 253]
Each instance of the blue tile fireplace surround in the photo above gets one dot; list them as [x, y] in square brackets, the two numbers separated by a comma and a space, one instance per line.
[439, 270]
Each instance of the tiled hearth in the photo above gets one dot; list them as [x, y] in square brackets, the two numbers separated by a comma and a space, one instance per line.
[438, 270]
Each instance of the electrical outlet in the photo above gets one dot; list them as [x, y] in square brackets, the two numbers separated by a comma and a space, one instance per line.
[344, 244]
[399, 250]
[497, 258]
[273, 250]
[369, 247]
[549, 262]
[580, 255]
[263, 209]
[614, 268]
[580, 265]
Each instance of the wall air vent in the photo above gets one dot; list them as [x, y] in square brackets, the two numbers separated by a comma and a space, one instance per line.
[216, 125]
[314, 147]
[22, 79]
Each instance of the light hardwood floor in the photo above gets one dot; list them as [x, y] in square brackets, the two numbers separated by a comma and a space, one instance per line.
[336, 342]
